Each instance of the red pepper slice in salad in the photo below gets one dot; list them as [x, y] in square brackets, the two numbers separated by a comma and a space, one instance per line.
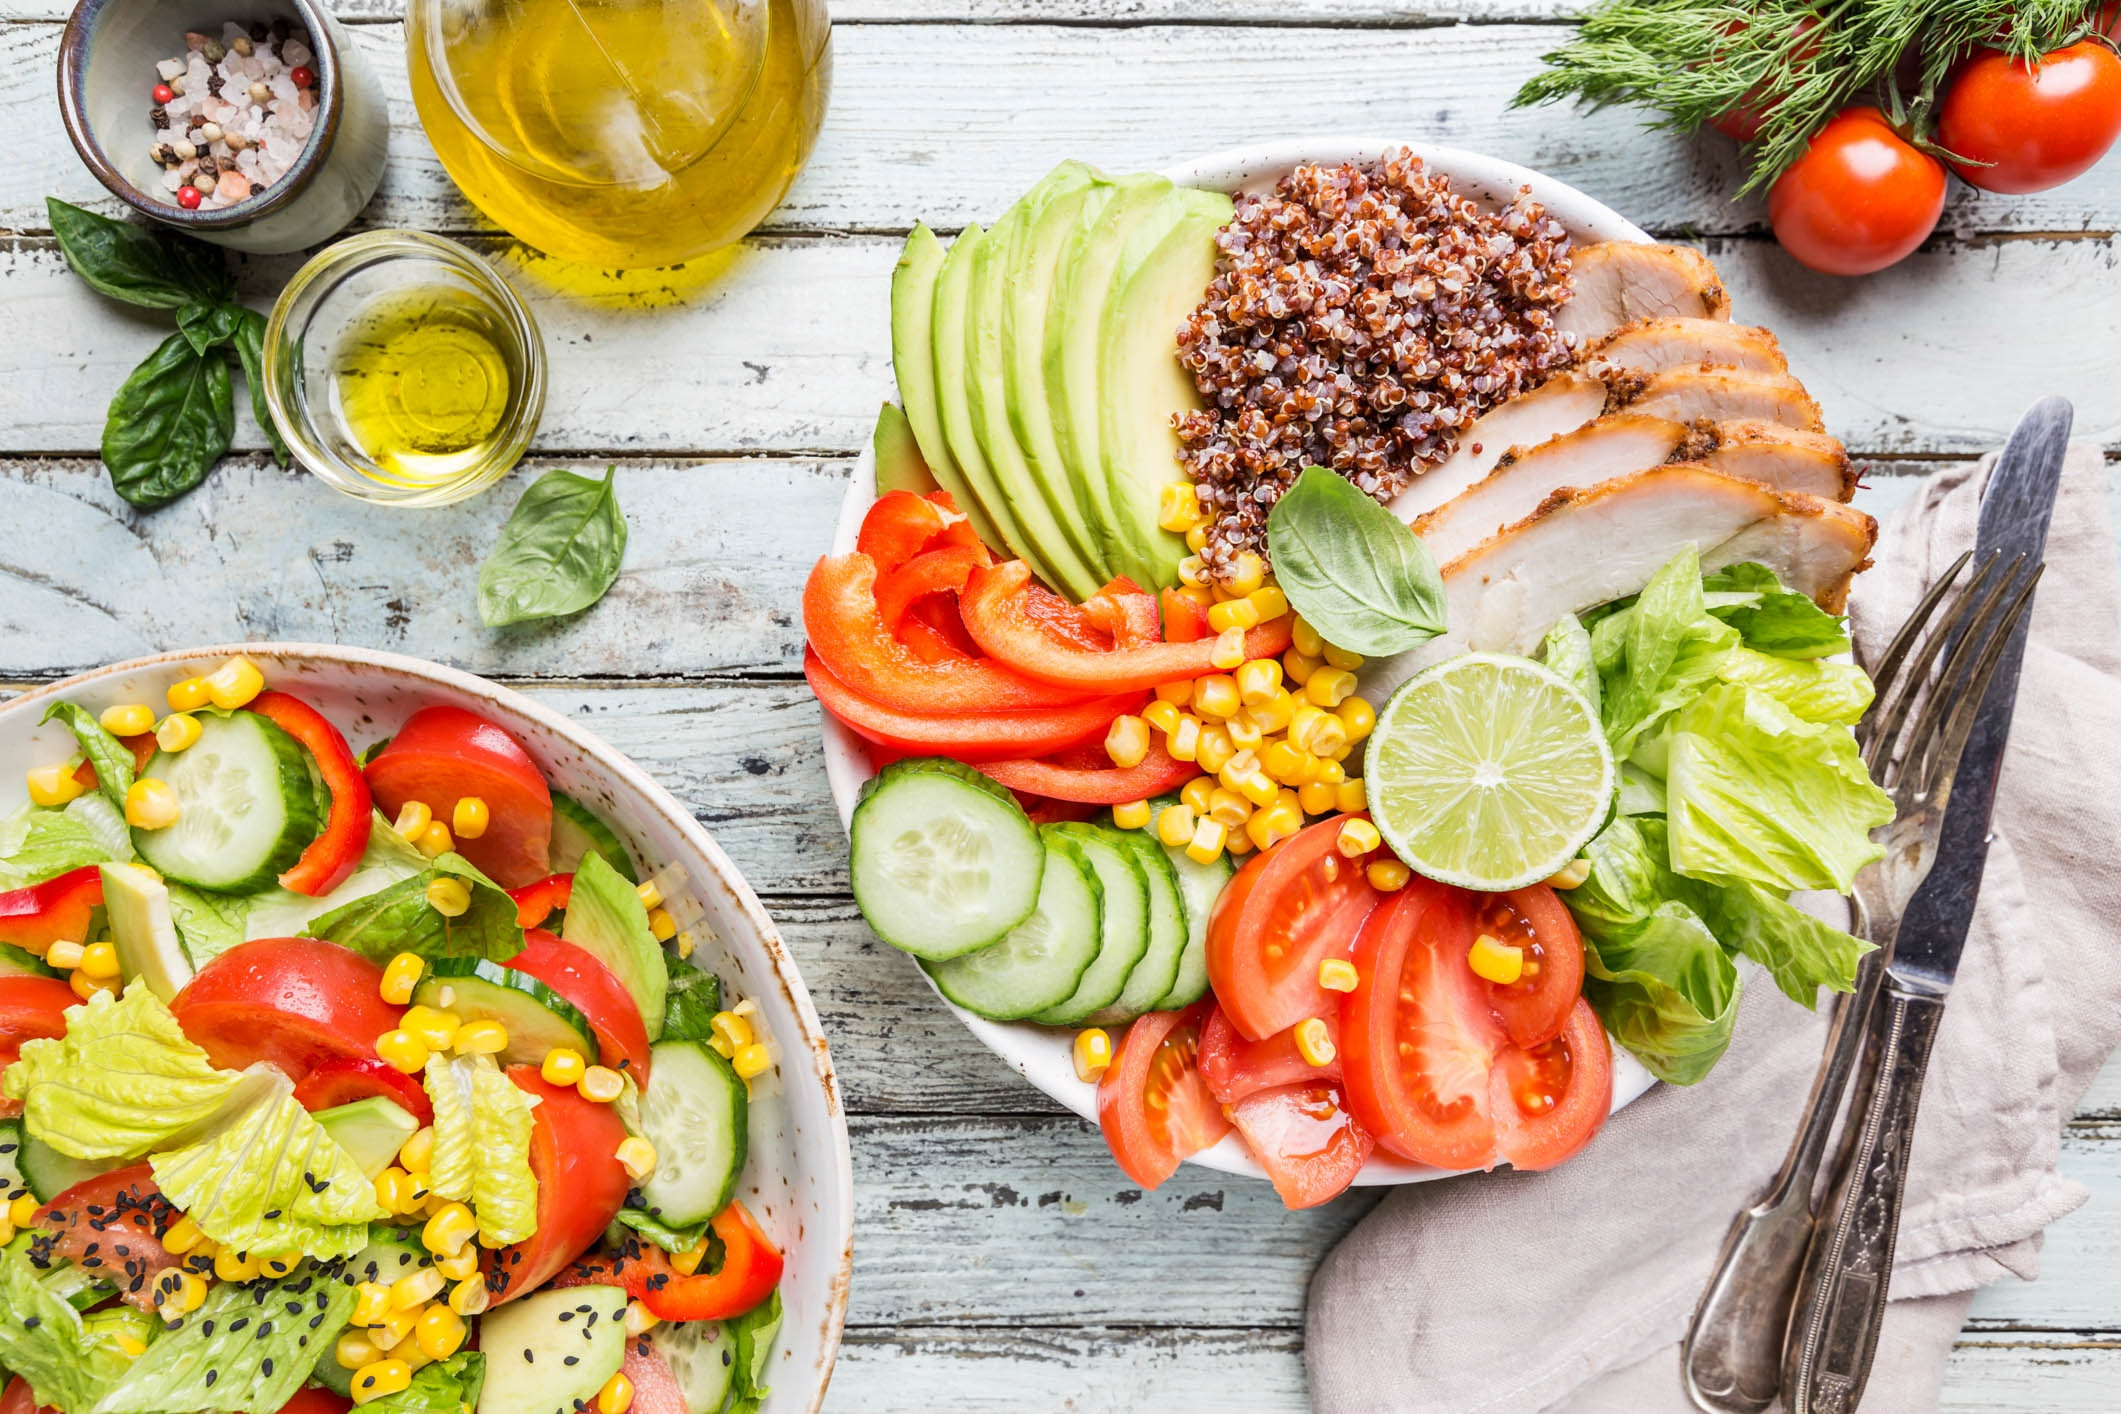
[1127, 612]
[902, 525]
[1158, 772]
[336, 852]
[751, 1268]
[31, 1009]
[976, 736]
[1158, 1057]
[941, 571]
[537, 902]
[55, 911]
[1185, 621]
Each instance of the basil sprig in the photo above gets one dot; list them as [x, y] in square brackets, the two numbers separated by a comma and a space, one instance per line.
[1352, 568]
[175, 416]
[559, 552]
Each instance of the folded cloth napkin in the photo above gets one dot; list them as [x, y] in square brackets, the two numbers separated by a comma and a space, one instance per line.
[1519, 1292]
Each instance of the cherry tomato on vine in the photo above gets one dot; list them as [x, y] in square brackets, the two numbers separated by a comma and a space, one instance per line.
[2027, 129]
[1860, 198]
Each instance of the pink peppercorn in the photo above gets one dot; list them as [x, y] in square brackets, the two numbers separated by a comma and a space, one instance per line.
[188, 197]
[164, 93]
[303, 77]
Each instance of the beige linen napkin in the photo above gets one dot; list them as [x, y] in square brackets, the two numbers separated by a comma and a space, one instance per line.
[1571, 1289]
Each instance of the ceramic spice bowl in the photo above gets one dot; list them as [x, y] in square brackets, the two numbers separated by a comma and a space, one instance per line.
[107, 76]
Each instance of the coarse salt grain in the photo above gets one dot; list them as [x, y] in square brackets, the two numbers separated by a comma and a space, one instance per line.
[213, 126]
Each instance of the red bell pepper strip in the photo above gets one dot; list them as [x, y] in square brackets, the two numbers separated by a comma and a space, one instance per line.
[751, 1268]
[1158, 772]
[1185, 621]
[1123, 610]
[849, 636]
[336, 851]
[997, 607]
[975, 736]
[902, 525]
[930, 641]
[535, 902]
[55, 911]
[941, 571]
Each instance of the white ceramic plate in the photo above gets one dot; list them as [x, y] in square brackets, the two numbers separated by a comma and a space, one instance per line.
[1041, 1054]
[798, 1182]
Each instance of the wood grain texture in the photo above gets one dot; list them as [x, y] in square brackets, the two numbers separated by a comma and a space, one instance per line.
[1361, 14]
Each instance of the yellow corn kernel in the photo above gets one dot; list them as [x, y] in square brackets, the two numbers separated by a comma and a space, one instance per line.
[100, 960]
[480, 1038]
[177, 732]
[1229, 652]
[127, 719]
[1572, 875]
[416, 1153]
[1216, 696]
[470, 818]
[65, 955]
[385, 1377]
[1164, 715]
[182, 1237]
[1238, 845]
[1331, 773]
[685, 943]
[1388, 876]
[1207, 843]
[277, 1267]
[1192, 573]
[179, 1293]
[23, 1210]
[355, 1350]
[440, 1332]
[189, 695]
[151, 805]
[392, 1327]
[1233, 613]
[1337, 974]
[394, 1189]
[639, 1319]
[1228, 809]
[687, 1262]
[1197, 539]
[403, 1051]
[85, 987]
[1178, 507]
[637, 1156]
[1329, 687]
[651, 895]
[53, 785]
[751, 1061]
[1495, 960]
[1260, 789]
[1183, 740]
[235, 1266]
[1313, 1042]
[1174, 826]
[1273, 714]
[1245, 734]
[1269, 603]
[1093, 1054]
[1316, 797]
[460, 1265]
[1131, 815]
[1352, 796]
[1341, 658]
[449, 897]
[1282, 761]
[733, 1027]
[1306, 638]
[563, 1066]
[405, 970]
[435, 840]
[1247, 573]
[1196, 792]
[433, 1029]
[469, 1296]
[1258, 681]
[616, 1397]
[662, 925]
[1327, 737]
[1127, 742]
[413, 820]
[234, 684]
[601, 1084]
[1268, 828]
[1357, 838]
[371, 1303]
[411, 1292]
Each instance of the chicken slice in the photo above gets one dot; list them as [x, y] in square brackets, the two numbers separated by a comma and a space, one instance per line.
[1653, 345]
[1615, 283]
[1717, 395]
[1563, 403]
[1783, 457]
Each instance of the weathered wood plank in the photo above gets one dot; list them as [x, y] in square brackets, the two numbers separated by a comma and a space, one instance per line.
[2065, 1376]
[1352, 13]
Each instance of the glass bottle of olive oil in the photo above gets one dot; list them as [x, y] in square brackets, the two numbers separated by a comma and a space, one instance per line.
[421, 383]
[621, 133]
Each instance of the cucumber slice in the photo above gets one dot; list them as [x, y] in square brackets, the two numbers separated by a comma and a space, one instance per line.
[576, 830]
[702, 1358]
[1199, 886]
[943, 861]
[696, 1115]
[1040, 962]
[538, 1018]
[49, 1172]
[14, 962]
[1124, 925]
[11, 1180]
[550, 1352]
[1157, 971]
[246, 807]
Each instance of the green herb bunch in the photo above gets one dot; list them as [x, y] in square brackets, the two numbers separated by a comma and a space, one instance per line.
[1796, 63]
[176, 415]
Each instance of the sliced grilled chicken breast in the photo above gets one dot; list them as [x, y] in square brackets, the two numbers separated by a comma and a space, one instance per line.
[1563, 403]
[1653, 345]
[1783, 457]
[1717, 395]
[1616, 283]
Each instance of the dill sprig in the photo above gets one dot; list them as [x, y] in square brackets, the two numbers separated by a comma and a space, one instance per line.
[1795, 62]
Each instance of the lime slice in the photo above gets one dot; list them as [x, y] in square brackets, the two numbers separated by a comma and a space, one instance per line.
[1488, 772]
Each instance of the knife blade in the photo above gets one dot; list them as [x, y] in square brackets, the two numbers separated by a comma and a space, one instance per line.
[2015, 510]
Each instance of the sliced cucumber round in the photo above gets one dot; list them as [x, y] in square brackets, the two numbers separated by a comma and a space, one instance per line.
[14, 962]
[538, 1019]
[1154, 975]
[576, 830]
[246, 806]
[943, 861]
[1123, 924]
[702, 1358]
[11, 1180]
[1040, 962]
[696, 1113]
[49, 1172]
[1199, 886]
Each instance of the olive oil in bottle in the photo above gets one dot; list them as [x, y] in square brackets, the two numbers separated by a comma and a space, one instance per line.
[421, 382]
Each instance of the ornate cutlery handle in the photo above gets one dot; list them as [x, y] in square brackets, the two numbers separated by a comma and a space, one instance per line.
[1840, 1299]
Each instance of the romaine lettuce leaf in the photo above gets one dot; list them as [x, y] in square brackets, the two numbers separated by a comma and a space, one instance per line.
[1801, 953]
[662, 1234]
[1772, 619]
[504, 1192]
[449, 1089]
[398, 918]
[754, 1332]
[112, 758]
[441, 1388]
[251, 1346]
[1839, 693]
[123, 1079]
[208, 924]
[695, 997]
[106, 825]
[1657, 656]
[37, 843]
[43, 1340]
[1568, 652]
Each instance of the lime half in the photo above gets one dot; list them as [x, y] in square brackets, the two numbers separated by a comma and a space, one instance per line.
[1488, 772]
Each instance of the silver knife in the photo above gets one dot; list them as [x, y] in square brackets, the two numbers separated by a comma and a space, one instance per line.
[1840, 1300]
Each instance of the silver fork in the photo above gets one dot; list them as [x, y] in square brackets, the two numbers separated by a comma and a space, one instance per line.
[1732, 1359]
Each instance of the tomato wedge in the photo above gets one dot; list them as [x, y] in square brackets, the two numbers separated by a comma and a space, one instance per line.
[55, 911]
[115, 1222]
[655, 1388]
[296, 1002]
[351, 1079]
[536, 902]
[1306, 1141]
[1158, 772]
[19, 1400]
[1235, 1067]
[977, 736]
[322, 1401]
[1549, 1100]
[336, 851]
[1152, 1103]
[751, 1267]
[581, 1184]
[594, 991]
[31, 1009]
[1289, 909]
[1535, 1007]
[995, 609]
[445, 754]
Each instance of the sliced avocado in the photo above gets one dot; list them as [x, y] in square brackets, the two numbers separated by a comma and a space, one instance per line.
[14, 962]
[953, 297]
[144, 931]
[997, 272]
[899, 465]
[551, 1351]
[372, 1130]
[1154, 287]
[913, 291]
[605, 919]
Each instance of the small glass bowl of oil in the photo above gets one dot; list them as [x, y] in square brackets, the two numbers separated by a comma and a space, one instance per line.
[402, 369]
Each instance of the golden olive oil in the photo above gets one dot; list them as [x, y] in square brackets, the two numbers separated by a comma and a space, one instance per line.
[421, 382]
[621, 133]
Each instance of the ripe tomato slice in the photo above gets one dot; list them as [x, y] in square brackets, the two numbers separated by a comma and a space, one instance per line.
[445, 754]
[31, 1009]
[574, 1145]
[19, 1400]
[1549, 1100]
[1306, 1141]
[1289, 909]
[345, 1081]
[1235, 1067]
[1152, 1103]
[1535, 1007]
[296, 1002]
[595, 991]
[655, 1388]
[114, 1222]
[320, 1401]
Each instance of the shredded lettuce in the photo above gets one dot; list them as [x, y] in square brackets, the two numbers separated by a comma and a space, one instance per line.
[1568, 652]
[754, 1332]
[450, 1168]
[481, 1153]
[398, 918]
[44, 1340]
[250, 1347]
[38, 843]
[106, 825]
[122, 1080]
[111, 758]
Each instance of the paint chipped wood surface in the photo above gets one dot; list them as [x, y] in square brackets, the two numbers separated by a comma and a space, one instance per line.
[999, 1249]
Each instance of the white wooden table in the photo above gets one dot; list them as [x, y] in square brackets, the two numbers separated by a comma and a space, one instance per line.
[1003, 1262]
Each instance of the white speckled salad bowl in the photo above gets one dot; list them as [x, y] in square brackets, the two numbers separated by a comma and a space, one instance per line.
[798, 1181]
[1042, 1054]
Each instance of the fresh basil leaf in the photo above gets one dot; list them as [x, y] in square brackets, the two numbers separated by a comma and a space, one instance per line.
[209, 326]
[400, 919]
[143, 265]
[559, 552]
[695, 997]
[250, 347]
[168, 425]
[1352, 569]
[112, 758]
[662, 1234]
